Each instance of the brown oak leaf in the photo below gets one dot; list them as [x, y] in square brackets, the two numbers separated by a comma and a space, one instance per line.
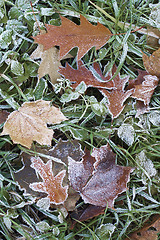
[117, 96]
[29, 123]
[101, 186]
[152, 63]
[51, 185]
[76, 76]
[69, 35]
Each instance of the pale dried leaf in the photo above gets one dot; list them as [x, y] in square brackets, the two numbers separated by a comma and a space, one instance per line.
[29, 123]
[49, 62]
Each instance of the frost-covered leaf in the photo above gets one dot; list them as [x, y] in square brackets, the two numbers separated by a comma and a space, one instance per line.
[154, 118]
[49, 62]
[92, 78]
[46, 11]
[84, 36]
[17, 68]
[51, 185]
[101, 182]
[43, 203]
[105, 231]
[145, 163]
[126, 133]
[8, 223]
[118, 95]
[42, 226]
[152, 63]
[144, 91]
[5, 39]
[29, 123]
[99, 108]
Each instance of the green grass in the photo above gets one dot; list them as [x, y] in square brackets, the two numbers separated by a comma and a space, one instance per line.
[19, 216]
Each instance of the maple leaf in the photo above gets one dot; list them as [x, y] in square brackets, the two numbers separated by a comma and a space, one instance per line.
[49, 62]
[76, 76]
[3, 116]
[152, 63]
[51, 185]
[103, 185]
[70, 35]
[27, 175]
[29, 123]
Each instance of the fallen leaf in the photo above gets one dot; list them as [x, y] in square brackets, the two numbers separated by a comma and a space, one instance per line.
[76, 76]
[153, 41]
[27, 175]
[87, 213]
[148, 232]
[117, 96]
[29, 123]
[51, 185]
[152, 63]
[145, 90]
[3, 116]
[70, 35]
[49, 62]
[101, 186]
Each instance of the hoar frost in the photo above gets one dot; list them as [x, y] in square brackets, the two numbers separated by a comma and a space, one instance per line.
[147, 165]
[126, 133]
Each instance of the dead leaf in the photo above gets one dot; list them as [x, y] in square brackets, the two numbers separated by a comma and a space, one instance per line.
[117, 96]
[153, 40]
[27, 175]
[49, 62]
[152, 63]
[29, 123]
[85, 214]
[148, 232]
[145, 90]
[50, 185]
[3, 116]
[101, 186]
[70, 35]
[76, 76]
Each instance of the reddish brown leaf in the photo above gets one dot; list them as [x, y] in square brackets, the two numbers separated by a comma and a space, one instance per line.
[117, 96]
[76, 76]
[145, 90]
[152, 63]
[70, 35]
[104, 183]
[51, 185]
[85, 214]
[3, 116]
[148, 232]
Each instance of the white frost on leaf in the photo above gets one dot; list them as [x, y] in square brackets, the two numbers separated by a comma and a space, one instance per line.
[105, 231]
[43, 203]
[146, 164]
[126, 133]
[154, 118]
[42, 226]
